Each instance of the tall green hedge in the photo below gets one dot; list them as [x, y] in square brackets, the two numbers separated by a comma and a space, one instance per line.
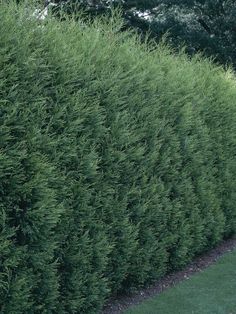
[117, 162]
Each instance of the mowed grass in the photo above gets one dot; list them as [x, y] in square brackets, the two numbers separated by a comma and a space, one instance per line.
[212, 291]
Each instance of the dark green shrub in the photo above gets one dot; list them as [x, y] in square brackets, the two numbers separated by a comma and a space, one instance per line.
[117, 162]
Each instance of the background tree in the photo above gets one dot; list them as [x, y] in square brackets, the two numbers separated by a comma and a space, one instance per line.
[207, 26]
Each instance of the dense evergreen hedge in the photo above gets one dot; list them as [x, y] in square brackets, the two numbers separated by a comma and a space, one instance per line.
[117, 162]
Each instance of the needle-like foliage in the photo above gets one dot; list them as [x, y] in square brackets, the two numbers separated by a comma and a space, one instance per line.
[117, 161]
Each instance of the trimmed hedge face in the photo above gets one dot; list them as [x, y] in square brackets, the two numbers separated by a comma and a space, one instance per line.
[117, 163]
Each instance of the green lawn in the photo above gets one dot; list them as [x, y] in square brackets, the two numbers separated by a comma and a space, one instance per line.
[212, 291]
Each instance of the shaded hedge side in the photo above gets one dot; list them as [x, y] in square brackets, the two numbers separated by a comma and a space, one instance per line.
[117, 162]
